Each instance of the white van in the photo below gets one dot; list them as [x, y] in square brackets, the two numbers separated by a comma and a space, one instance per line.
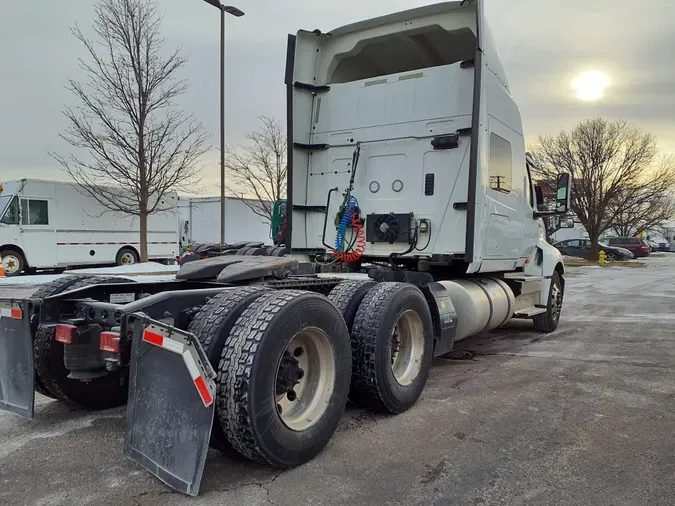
[51, 224]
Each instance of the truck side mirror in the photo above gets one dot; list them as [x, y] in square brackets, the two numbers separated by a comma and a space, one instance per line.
[564, 193]
[561, 222]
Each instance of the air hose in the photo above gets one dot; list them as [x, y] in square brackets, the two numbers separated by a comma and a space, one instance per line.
[350, 217]
[350, 207]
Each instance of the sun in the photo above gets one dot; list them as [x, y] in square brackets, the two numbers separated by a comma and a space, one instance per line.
[590, 86]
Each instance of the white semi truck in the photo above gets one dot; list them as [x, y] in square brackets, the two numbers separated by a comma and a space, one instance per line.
[411, 207]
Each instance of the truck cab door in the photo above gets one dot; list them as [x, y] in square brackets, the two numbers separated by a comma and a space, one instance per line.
[38, 235]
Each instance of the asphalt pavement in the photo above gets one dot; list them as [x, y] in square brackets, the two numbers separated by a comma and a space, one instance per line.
[583, 416]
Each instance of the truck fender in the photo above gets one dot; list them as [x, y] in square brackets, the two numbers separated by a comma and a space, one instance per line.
[444, 316]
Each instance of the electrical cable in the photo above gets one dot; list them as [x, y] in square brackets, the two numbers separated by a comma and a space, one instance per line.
[412, 247]
[428, 242]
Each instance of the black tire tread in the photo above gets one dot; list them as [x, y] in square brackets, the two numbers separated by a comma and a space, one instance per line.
[208, 320]
[42, 349]
[342, 296]
[544, 322]
[209, 323]
[235, 369]
[365, 388]
[57, 286]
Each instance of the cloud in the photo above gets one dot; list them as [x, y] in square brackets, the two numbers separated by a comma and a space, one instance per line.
[544, 45]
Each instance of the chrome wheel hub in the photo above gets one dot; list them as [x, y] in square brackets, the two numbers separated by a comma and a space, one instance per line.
[305, 379]
[407, 348]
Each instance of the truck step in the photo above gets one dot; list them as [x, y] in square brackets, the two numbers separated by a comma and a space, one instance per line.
[522, 278]
[530, 312]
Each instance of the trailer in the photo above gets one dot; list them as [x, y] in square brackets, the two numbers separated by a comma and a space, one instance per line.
[412, 223]
[199, 221]
[56, 225]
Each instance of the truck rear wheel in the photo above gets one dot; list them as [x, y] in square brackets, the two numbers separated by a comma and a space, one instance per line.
[284, 378]
[55, 287]
[548, 321]
[212, 326]
[347, 298]
[101, 393]
[392, 348]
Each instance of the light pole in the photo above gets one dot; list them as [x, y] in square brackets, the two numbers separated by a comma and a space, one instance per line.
[224, 9]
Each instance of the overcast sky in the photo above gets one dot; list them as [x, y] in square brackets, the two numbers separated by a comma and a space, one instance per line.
[544, 45]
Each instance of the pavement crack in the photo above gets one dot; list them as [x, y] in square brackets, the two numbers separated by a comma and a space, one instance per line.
[581, 360]
[138, 499]
[257, 483]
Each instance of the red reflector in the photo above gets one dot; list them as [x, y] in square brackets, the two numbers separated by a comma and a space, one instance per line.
[15, 313]
[110, 341]
[203, 391]
[66, 333]
[153, 338]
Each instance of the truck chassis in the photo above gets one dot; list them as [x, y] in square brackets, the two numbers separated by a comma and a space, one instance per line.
[218, 360]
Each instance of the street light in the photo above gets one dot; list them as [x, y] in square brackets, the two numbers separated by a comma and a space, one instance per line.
[224, 9]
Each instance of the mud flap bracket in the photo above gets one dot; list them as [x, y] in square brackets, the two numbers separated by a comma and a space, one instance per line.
[172, 394]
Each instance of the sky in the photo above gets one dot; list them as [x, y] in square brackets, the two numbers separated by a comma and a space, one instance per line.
[544, 45]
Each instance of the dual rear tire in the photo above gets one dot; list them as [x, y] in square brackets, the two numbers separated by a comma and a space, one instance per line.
[286, 363]
[283, 361]
[392, 343]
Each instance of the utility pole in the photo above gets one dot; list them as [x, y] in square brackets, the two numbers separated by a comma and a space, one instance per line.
[224, 9]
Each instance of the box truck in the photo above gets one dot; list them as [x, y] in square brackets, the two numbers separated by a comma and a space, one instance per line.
[52, 224]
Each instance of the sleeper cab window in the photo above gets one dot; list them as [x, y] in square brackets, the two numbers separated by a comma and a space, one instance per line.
[501, 164]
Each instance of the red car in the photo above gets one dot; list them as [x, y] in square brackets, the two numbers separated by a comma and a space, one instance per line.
[635, 245]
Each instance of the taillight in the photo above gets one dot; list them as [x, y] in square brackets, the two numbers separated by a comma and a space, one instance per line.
[110, 341]
[66, 334]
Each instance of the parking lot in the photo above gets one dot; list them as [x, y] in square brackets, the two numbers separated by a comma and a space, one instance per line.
[581, 416]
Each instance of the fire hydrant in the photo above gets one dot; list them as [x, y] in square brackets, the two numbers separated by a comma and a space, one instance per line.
[602, 258]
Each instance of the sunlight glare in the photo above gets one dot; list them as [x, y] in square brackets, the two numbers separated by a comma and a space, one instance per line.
[590, 86]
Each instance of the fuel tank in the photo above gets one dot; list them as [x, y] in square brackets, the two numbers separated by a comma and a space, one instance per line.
[481, 303]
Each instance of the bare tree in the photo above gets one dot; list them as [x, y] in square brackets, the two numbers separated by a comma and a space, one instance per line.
[614, 169]
[137, 145]
[258, 169]
[647, 208]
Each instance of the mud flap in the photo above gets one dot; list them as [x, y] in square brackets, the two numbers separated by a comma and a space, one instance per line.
[17, 372]
[171, 405]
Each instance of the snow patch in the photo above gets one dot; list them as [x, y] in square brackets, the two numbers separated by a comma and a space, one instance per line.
[150, 271]
[16, 442]
[146, 268]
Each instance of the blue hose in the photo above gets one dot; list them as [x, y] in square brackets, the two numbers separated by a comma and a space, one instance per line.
[350, 209]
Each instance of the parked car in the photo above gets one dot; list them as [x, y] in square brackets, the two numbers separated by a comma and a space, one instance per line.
[663, 246]
[651, 245]
[581, 248]
[637, 246]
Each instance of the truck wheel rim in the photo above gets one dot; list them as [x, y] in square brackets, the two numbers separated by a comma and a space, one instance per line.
[128, 258]
[305, 379]
[556, 302]
[407, 348]
[11, 264]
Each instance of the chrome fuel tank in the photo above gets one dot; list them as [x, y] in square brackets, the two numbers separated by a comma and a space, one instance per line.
[481, 303]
